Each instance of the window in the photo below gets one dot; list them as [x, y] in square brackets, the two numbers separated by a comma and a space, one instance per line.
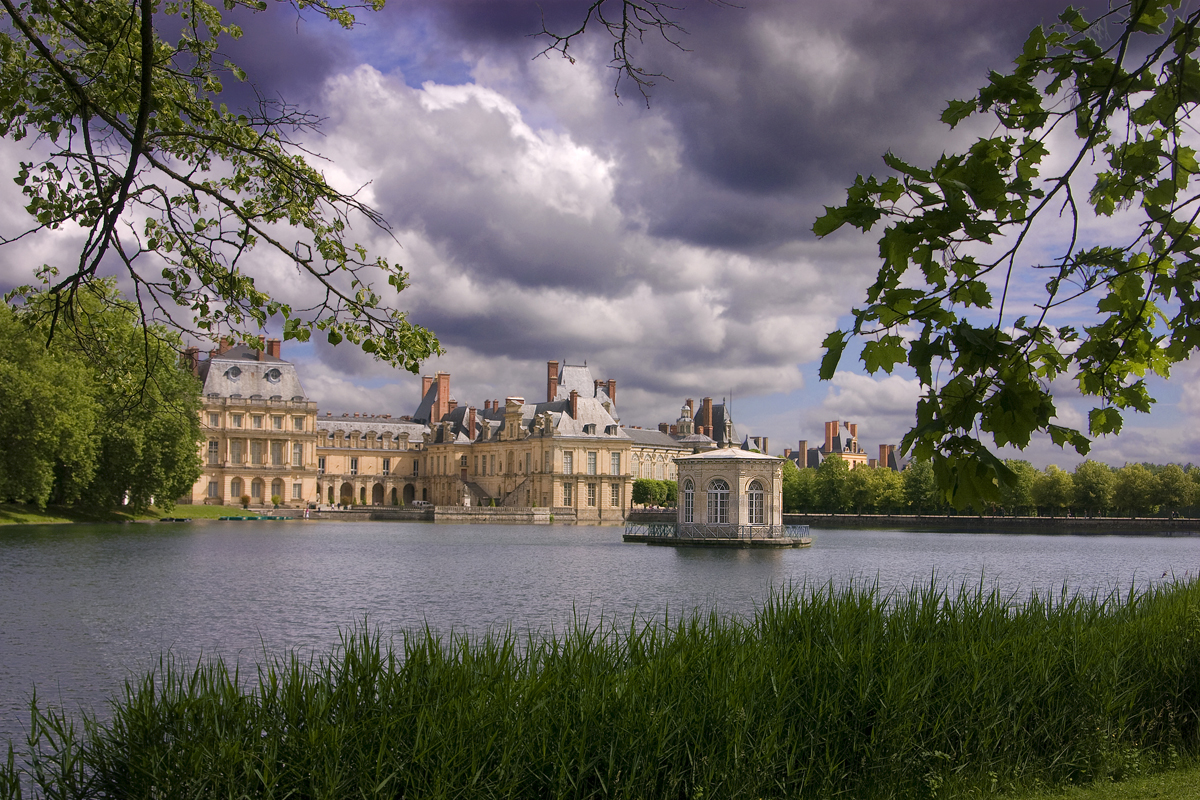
[591, 490]
[273, 375]
[256, 452]
[213, 488]
[256, 489]
[297, 423]
[297, 454]
[256, 421]
[237, 451]
[567, 499]
[214, 452]
[615, 499]
[236, 419]
[276, 489]
[277, 454]
[568, 462]
[718, 503]
[616, 464]
[591, 462]
[416, 467]
[546, 460]
[297, 491]
[321, 465]
[235, 488]
[214, 420]
[492, 466]
[689, 501]
[476, 465]
[353, 465]
[387, 466]
[510, 462]
[755, 497]
[528, 461]
[277, 423]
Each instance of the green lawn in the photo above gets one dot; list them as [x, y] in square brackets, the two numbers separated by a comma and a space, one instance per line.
[1177, 784]
[21, 514]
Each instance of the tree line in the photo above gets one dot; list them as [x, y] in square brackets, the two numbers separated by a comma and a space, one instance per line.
[102, 419]
[1093, 489]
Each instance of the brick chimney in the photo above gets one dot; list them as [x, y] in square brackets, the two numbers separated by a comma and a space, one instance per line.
[664, 427]
[706, 416]
[766, 448]
[787, 452]
[273, 347]
[831, 433]
[191, 360]
[551, 380]
[426, 382]
[259, 354]
[471, 423]
[612, 390]
[574, 404]
[802, 448]
[487, 405]
[453, 404]
[443, 396]
[225, 346]
[853, 426]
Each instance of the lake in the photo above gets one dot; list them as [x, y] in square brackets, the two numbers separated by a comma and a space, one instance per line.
[84, 606]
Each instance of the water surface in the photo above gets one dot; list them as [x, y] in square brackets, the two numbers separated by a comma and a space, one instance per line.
[82, 607]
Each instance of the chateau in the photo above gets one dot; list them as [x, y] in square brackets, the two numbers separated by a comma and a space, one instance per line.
[264, 439]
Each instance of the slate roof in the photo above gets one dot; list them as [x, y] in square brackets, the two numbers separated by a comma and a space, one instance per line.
[656, 438]
[729, 453]
[366, 424]
[240, 372]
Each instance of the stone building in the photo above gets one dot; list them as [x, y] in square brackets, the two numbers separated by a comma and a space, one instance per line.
[730, 493]
[259, 428]
[368, 459]
[567, 452]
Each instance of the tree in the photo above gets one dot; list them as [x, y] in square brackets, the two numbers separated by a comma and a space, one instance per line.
[47, 415]
[1135, 490]
[1016, 496]
[670, 493]
[1174, 488]
[888, 489]
[649, 492]
[860, 491]
[174, 190]
[1094, 484]
[831, 485]
[798, 488]
[1053, 490]
[121, 387]
[959, 236]
[921, 493]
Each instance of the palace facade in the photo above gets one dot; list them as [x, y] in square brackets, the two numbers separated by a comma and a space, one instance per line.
[266, 443]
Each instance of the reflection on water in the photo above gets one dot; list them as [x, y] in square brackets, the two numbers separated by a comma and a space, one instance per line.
[85, 605]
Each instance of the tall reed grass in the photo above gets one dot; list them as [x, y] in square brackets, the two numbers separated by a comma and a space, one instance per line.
[823, 693]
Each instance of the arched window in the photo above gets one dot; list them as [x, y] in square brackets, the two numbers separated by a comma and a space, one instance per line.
[689, 501]
[718, 502]
[256, 489]
[235, 489]
[755, 497]
[277, 488]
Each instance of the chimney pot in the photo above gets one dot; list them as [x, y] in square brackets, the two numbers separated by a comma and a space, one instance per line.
[574, 404]
[551, 380]
[612, 390]
[273, 347]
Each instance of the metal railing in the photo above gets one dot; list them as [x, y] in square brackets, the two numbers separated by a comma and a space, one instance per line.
[673, 530]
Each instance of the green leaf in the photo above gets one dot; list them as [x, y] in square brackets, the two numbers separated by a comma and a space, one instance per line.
[834, 344]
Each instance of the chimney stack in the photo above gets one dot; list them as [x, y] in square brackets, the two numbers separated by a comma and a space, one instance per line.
[471, 423]
[766, 448]
[426, 382]
[574, 404]
[612, 390]
[551, 380]
[225, 346]
[487, 405]
[453, 404]
[706, 415]
[191, 360]
[831, 434]
[273, 347]
[787, 452]
[663, 427]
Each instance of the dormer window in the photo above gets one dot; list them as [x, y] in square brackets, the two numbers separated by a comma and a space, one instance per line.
[233, 373]
[273, 375]
[590, 428]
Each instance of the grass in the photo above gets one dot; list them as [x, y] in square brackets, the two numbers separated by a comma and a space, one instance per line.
[21, 514]
[823, 693]
[1175, 784]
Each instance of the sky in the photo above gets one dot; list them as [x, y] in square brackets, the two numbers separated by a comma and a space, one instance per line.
[669, 246]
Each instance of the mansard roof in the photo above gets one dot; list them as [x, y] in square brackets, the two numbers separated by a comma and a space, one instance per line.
[656, 438]
[368, 423]
[243, 371]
